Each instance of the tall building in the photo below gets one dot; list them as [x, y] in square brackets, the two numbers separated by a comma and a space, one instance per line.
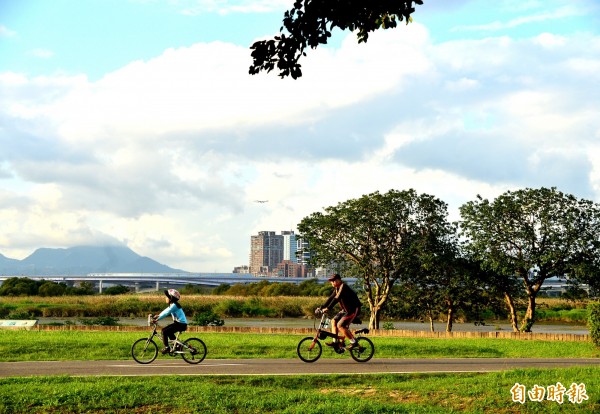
[303, 256]
[289, 246]
[266, 252]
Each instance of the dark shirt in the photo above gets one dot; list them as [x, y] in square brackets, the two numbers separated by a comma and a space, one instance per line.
[345, 296]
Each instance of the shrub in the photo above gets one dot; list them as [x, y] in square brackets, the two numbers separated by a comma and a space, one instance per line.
[208, 318]
[19, 315]
[388, 326]
[102, 321]
[115, 290]
[594, 322]
[231, 308]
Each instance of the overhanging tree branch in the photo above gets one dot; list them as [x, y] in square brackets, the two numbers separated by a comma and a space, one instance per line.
[309, 24]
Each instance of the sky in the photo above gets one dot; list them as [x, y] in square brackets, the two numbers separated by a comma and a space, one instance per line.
[136, 122]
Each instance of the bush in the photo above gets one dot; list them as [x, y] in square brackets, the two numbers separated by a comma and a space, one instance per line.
[231, 308]
[102, 321]
[208, 318]
[17, 315]
[594, 322]
[115, 290]
[388, 326]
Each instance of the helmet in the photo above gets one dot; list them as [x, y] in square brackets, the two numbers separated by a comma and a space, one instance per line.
[173, 295]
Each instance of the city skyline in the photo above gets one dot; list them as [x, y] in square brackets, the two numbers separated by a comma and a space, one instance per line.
[137, 123]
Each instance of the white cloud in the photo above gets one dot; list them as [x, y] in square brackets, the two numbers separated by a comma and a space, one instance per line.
[196, 7]
[6, 32]
[543, 16]
[42, 53]
[167, 155]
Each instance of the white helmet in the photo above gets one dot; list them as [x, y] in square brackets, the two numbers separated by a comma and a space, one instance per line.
[173, 295]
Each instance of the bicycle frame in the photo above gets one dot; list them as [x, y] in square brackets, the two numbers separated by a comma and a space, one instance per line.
[323, 332]
[172, 342]
[309, 349]
[145, 350]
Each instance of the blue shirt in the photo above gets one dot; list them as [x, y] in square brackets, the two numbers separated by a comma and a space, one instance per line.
[176, 312]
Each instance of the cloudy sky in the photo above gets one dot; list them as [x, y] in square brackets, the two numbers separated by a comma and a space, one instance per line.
[136, 122]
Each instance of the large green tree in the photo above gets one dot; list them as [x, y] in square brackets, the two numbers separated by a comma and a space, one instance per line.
[379, 238]
[309, 23]
[533, 235]
[20, 286]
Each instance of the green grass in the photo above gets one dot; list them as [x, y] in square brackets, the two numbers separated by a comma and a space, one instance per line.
[377, 393]
[388, 393]
[97, 345]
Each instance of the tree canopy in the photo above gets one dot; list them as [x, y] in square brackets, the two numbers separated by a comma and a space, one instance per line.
[378, 238]
[535, 234]
[309, 23]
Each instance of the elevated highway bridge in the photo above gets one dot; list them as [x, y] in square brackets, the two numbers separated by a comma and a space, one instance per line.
[159, 281]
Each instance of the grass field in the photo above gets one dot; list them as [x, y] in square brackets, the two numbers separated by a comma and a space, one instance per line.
[95, 345]
[364, 394]
[389, 393]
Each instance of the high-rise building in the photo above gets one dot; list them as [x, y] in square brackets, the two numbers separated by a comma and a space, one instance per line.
[289, 246]
[266, 252]
[303, 256]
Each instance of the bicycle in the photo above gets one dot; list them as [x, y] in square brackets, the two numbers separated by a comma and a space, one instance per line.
[309, 349]
[145, 350]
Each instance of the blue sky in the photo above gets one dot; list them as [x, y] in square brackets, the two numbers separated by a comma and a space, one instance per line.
[136, 121]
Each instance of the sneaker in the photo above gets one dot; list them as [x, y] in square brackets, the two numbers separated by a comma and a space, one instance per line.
[165, 350]
[352, 346]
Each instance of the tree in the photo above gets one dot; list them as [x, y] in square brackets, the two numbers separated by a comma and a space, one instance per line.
[116, 290]
[20, 286]
[52, 289]
[309, 23]
[377, 238]
[447, 280]
[533, 235]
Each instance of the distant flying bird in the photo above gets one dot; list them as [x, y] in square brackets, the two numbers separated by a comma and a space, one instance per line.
[261, 201]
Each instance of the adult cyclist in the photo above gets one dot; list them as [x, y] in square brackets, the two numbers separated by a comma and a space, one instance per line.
[350, 304]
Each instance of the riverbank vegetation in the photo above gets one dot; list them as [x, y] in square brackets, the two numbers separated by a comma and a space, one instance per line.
[226, 306]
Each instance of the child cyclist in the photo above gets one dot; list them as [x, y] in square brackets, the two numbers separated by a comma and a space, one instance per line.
[179, 321]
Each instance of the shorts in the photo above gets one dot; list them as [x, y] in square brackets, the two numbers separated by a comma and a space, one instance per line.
[343, 319]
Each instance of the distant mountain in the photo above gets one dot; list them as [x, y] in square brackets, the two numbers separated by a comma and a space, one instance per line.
[6, 262]
[82, 260]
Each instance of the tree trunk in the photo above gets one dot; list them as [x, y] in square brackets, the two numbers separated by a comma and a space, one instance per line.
[431, 327]
[529, 318]
[512, 311]
[450, 317]
[375, 316]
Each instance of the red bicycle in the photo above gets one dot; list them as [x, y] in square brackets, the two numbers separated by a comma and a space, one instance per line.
[310, 349]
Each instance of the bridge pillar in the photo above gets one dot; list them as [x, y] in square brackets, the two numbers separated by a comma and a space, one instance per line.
[100, 286]
[136, 286]
[157, 286]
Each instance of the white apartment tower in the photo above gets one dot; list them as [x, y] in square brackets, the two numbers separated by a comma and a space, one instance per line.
[290, 246]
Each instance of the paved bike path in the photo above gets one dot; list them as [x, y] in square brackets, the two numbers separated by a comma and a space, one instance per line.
[164, 366]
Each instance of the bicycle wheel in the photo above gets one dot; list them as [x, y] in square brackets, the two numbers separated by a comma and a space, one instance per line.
[364, 351]
[194, 351]
[309, 349]
[144, 350]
